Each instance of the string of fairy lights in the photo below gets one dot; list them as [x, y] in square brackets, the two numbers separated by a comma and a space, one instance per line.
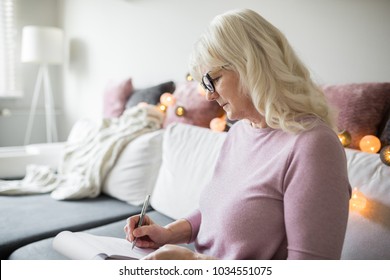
[369, 144]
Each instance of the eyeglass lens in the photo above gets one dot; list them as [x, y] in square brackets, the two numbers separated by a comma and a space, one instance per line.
[208, 83]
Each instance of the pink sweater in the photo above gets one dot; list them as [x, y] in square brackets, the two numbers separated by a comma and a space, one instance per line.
[275, 195]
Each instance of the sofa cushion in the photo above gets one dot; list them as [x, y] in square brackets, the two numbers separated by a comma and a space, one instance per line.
[368, 230]
[150, 95]
[198, 111]
[188, 159]
[361, 108]
[135, 171]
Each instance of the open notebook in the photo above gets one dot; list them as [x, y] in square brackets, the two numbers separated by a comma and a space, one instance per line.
[86, 246]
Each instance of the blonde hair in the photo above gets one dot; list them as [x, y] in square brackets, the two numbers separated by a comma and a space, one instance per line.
[279, 84]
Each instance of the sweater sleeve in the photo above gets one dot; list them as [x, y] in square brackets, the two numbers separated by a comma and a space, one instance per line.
[194, 219]
[316, 197]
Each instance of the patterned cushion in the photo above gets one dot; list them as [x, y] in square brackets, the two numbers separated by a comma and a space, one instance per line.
[361, 108]
[198, 111]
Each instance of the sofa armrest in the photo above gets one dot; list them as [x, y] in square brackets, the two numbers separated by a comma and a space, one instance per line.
[14, 160]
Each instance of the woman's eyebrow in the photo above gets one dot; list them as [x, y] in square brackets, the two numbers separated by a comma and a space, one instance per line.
[213, 73]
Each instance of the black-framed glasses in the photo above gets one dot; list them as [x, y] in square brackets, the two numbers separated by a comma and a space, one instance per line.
[208, 82]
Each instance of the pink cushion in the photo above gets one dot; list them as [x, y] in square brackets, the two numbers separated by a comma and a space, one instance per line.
[361, 107]
[115, 97]
[198, 111]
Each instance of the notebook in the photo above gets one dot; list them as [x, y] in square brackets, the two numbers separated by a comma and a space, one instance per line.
[86, 246]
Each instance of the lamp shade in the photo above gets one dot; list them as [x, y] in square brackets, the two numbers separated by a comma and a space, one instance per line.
[42, 44]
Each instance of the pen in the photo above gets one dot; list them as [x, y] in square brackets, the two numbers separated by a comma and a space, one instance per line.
[141, 217]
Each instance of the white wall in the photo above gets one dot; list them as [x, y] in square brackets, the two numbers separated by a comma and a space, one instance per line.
[150, 40]
[341, 41]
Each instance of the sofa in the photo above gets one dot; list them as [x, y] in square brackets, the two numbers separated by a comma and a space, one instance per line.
[173, 164]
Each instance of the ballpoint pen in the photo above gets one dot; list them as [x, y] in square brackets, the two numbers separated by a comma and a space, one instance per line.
[141, 217]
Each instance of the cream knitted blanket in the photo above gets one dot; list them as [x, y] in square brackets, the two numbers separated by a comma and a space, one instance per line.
[90, 153]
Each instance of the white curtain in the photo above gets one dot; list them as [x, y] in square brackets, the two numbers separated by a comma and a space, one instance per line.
[9, 50]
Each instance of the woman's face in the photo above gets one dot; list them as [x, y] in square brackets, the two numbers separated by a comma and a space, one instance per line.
[231, 97]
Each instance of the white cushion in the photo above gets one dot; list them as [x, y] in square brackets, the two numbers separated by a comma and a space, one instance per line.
[368, 230]
[135, 172]
[189, 157]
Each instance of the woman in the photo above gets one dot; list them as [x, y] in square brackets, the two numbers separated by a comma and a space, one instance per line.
[280, 188]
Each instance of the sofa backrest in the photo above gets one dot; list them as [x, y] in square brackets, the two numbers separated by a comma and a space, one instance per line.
[189, 154]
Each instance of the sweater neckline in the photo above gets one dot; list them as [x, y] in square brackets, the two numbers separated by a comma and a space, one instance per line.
[257, 130]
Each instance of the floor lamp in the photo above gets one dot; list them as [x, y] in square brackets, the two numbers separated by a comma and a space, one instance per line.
[44, 46]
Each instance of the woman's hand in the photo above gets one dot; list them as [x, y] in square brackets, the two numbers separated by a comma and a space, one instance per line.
[150, 235]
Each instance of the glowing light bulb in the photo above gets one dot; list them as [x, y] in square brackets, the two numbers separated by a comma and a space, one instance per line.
[180, 111]
[189, 77]
[345, 138]
[358, 201]
[370, 144]
[167, 99]
[162, 107]
[218, 124]
[385, 155]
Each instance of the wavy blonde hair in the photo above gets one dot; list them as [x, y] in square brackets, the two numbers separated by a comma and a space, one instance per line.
[279, 84]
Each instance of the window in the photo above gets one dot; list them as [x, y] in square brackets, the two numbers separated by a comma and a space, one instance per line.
[9, 51]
